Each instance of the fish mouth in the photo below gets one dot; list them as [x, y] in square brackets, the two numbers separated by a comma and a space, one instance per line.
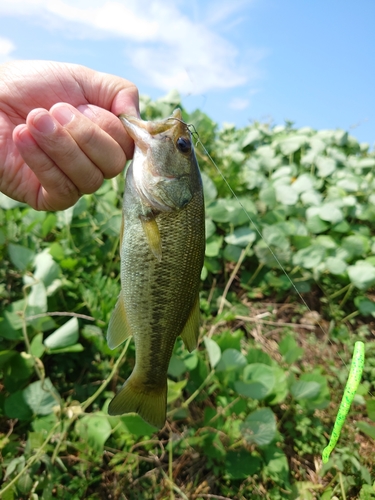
[142, 132]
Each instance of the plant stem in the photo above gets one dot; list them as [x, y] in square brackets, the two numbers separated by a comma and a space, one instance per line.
[350, 316]
[174, 486]
[63, 313]
[186, 403]
[30, 461]
[90, 400]
[339, 292]
[346, 296]
[342, 486]
[257, 271]
[231, 278]
[170, 465]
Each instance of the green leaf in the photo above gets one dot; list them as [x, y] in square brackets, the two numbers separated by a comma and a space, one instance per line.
[213, 245]
[71, 348]
[209, 188]
[330, 212]
[367, 429]
[303, 183]
[335, 265]
[46, 269]
[305, 390]
[292, 144]
[229, 340]
[258, 381]
[210, 228]
[37, 299]
[19, 369]
[137, 426]
[370, 406]
[289, 349]
[316, 225]
[356, 245]
[310, 257]
[276, 236]
[5, 356]
[286, 195]
[250, 137]
[213, 351]
[241, 236]
[241, 464]
[64, 336]
[41, 397]
[49, 224]
[258, 356]
[20, 256]
[25, 483]
[17, 464]
[277, 464]
[232, 253]
[362, 274]
[175, 389]
[326, 166]
[259, 427]
[176, 367]
[36, 346]
[65, 217]
[231, 360]
[268, 196]
[311, 197]
[94, 429]
[365, 306]
[15, 406]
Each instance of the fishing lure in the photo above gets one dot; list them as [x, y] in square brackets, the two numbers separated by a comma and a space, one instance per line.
[351, 387]
[358, 359]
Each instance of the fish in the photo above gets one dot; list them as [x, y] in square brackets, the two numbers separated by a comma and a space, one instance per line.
[162, 253]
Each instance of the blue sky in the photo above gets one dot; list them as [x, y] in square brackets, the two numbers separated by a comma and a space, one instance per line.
[311, 62]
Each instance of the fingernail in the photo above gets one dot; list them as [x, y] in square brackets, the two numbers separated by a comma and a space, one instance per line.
[44, 123]
[86, 111]
[63, 114]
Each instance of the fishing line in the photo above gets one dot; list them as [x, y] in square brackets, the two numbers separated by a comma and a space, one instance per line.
[358, 358]
[357, 364]
[257, 230]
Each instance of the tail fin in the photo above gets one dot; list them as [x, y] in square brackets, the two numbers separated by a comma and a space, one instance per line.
[150, 405]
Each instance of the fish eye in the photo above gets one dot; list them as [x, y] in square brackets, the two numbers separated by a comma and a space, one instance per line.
[183, 144]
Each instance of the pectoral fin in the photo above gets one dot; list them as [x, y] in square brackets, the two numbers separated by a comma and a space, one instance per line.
[190, 333]
[122, 232]
[118, 328]
[151, 230]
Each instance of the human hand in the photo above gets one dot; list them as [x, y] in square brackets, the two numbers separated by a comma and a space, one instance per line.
[59, 131]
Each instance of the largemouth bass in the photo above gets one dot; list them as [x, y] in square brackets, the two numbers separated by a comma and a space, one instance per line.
[162, 253]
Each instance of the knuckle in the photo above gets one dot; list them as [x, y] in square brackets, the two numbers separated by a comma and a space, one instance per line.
[116, 167]
[92, 182]
[87, 136]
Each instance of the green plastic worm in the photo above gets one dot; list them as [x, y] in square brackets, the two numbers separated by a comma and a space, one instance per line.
[351, 387]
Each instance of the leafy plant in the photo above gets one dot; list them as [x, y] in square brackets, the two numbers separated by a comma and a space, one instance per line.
[287, 288]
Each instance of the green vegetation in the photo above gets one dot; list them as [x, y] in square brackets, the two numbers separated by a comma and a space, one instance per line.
[251, 410]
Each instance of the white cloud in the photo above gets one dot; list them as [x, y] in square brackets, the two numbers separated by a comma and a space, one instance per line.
[239, 103]
[6, 48]
[167, 47]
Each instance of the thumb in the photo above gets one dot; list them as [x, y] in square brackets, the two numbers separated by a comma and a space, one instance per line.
[110, 92]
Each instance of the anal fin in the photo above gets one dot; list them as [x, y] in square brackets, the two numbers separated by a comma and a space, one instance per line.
[190, 333]
[118, 328]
